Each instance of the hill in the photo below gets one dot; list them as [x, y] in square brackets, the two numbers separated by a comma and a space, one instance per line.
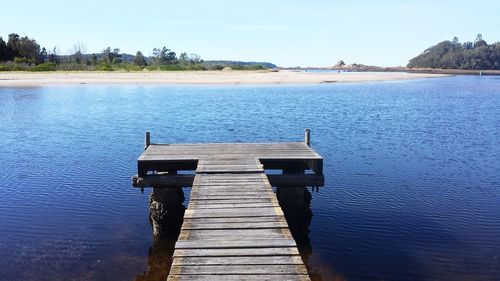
[477, 55]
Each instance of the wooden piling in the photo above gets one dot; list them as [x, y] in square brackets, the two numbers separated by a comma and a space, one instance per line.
[147, 140]
[307, 137]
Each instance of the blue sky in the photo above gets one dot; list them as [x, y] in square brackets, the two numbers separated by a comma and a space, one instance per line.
[286, 32]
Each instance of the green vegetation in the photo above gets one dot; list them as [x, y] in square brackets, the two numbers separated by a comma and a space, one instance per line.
[25, 54]
[453, 55]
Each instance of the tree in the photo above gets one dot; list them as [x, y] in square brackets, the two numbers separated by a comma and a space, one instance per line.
[479, 41]
[53, 56]
[93, 59]
[183, 57]
[23, 47]
[107, 56]
[78, 53]
[43, 56]
[13, 43]
[194, 58]
[110, 57]
[77, 57]
[139, 59]
[164, 56]
[4, 51]
[477, 55]
[116, 56]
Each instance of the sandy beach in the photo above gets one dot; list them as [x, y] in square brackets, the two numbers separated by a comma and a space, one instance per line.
[27, 79]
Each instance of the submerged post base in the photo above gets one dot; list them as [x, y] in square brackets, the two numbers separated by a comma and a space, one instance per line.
[166, 211]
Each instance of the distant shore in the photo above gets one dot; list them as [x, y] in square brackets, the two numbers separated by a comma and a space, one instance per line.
[27, 79]
[368, 68]
[453, 71]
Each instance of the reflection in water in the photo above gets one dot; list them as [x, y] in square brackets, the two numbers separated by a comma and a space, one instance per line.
[166, 212]
[159, 259]
[296, 205]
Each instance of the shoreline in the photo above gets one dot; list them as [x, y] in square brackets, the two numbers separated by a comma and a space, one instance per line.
[365, 68]
[34, 79]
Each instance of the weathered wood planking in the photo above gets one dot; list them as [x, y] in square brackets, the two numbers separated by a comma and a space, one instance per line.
[234, 228]
[230, 157]
[238, 277]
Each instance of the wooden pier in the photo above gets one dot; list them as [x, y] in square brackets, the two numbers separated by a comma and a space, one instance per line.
[234, 228]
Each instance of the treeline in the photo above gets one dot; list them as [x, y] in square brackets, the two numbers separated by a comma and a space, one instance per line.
[25, 54]
[477, 55]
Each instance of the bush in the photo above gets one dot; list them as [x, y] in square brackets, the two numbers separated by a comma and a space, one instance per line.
[47, 66]
[127, 67]
[198, 66]
[5, 67]
[217, 67]
[13, 67]
[71, 66]
[104, 67]
[18, 60]
[170, 67]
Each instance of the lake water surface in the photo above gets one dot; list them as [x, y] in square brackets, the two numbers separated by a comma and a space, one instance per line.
[412, 173]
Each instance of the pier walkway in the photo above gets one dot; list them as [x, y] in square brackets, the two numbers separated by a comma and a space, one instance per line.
[233, 228]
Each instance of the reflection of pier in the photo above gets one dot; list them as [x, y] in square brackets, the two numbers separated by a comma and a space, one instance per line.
[234, 225]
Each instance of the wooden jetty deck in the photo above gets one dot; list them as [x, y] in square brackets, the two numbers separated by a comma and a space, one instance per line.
[234, 228]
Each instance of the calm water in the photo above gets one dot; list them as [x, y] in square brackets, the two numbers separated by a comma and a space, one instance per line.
[412, 174]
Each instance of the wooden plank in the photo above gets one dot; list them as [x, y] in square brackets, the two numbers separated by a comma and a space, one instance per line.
[212, 201]
[262, 157]
[235, 220]
[239, 205]
[229, 186]
[230, 176]
[238, 277]
[229, 192]
[235, 166]
[230, 168]
[229, 197]
[238, 185]
[195, 156]
[272, 269]
[255, 260]
[258, 212]
[228, 200]
[235, 235]
[229, 182]
[235, 244]
[206, 192]
[291, 251]
[241, 225]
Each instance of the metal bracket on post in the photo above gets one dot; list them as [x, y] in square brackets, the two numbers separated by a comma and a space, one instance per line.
[307, 137]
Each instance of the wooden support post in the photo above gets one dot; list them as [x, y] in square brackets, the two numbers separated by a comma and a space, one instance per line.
[295, 203]
[166, 211]
[307, 138]
[147, 140]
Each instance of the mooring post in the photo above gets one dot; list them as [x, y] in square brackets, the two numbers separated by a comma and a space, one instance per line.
[307, 137]
[147, 140]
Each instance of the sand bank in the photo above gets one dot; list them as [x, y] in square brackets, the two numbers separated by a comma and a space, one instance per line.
[23, 79]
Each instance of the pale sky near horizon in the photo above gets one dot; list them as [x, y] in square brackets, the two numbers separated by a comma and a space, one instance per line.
[287, 33]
